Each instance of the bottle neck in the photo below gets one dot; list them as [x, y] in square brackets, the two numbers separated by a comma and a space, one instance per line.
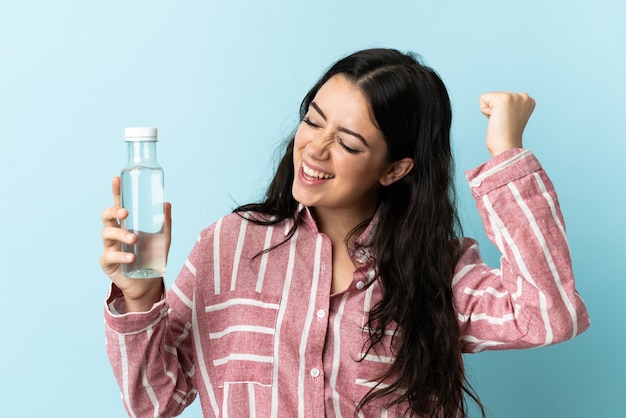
[142, 153]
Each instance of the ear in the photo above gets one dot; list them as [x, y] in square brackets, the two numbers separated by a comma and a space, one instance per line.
[396, 170]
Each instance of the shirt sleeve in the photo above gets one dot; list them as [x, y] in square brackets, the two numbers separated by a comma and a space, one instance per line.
[151, 352]
[531, 300]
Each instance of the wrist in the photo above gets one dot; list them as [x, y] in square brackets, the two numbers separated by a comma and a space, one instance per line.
[504, 147]
[146, 300]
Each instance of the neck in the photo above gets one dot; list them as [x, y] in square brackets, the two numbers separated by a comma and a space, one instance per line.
[338, 223]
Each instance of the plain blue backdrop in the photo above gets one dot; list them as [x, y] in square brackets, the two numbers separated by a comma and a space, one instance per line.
[222, 81]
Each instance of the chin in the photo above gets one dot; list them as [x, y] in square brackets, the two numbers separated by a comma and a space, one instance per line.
[297, 195]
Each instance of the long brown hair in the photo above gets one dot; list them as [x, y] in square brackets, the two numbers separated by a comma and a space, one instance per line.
[416, 240]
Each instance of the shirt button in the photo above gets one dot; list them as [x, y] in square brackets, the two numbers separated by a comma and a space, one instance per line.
[321, 314]
[361, 255]
[360, 285]
[315, 372]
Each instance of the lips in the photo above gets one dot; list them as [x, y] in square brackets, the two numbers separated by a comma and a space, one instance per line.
[311, 173]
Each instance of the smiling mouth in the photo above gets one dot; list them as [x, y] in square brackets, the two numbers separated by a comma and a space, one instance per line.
[312, 174]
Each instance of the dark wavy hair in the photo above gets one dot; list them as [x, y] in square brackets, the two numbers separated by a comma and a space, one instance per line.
[416, 243]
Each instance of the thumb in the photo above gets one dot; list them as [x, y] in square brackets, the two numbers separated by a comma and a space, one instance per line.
[167, 210]
[486, 104]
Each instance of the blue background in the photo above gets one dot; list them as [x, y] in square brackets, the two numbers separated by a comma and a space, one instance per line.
[222, 81]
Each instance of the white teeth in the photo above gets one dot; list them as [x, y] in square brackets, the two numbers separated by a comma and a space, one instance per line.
[316, 174]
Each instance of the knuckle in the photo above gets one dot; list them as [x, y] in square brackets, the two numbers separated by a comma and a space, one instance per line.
[104, 215]
[106, 232]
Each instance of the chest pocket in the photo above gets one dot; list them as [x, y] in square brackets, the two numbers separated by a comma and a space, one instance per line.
[242, 327]
[372, 366]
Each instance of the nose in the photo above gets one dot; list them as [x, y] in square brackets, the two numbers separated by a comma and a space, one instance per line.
[318, 146]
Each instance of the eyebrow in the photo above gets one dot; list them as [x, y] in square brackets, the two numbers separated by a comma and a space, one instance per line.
[340, 129]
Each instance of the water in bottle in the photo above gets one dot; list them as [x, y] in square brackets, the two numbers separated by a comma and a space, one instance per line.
[142, 194]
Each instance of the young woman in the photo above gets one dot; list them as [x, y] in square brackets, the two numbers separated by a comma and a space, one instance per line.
[348, 290]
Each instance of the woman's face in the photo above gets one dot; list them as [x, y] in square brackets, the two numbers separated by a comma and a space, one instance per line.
[340, 156]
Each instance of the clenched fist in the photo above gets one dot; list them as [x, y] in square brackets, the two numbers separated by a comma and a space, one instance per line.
[508, 114]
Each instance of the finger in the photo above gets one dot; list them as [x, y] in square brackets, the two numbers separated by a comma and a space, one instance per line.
[113, 236]
[167, 209]
[111, 216]
[110, 259]
[485, 104]
[115, 189]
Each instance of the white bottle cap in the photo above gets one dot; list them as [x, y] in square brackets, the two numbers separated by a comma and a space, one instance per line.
[140, 134]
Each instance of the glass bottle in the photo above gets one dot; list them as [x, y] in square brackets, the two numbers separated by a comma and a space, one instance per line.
[142, 194]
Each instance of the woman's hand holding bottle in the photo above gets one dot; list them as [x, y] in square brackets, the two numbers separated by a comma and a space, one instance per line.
[139, 294]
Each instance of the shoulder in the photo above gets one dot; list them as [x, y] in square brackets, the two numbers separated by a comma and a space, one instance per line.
[469, 252]
[236, 223]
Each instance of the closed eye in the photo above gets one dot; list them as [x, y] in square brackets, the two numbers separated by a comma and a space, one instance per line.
[312, 124]
[347, 148]
[309, 122]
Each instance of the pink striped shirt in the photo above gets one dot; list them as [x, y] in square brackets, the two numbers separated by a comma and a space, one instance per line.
[263, 337]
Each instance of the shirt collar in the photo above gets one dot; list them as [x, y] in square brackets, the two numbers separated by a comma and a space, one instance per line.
[360, 250]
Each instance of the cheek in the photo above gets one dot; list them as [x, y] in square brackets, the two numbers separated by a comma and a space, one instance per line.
[300, 139]
[297, 144]
[366, 171]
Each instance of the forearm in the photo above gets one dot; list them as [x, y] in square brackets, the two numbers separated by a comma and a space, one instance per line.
[150, 368]
[531, 300]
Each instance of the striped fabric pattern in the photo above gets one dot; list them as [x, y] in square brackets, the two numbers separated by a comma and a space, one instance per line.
[258, 334]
